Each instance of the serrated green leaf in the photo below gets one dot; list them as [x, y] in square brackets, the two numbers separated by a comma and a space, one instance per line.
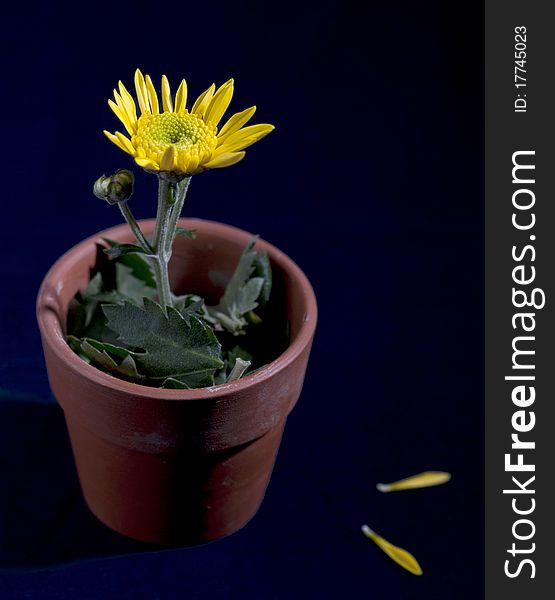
[242, 292]
[131, 287]
[189, 304]
[240, 276]
[167, 345]
[84, 318]
[247, 296]
[188, 233]
[140, 268]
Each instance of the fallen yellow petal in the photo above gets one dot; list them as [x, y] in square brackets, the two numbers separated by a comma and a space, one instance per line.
[426, 479]
[400, 556]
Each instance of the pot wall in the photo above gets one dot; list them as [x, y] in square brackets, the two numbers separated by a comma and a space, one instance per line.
[176, 466]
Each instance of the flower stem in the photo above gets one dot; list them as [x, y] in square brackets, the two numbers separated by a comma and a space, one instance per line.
[162, 282]
[160, 255]
[131, 221]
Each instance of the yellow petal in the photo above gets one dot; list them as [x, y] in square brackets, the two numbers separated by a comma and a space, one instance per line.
[239, 144]
[119, 100]
[122, 116]
[128, 102]
[225, 160]
[400, 556]
[152, 96]
[128, 110]
[130, 149]
[235, 123]
[426, 479]
[182, 161]
[181, 97]
[142, 94]
[202, 102]
[147, 163]
[219, 103]
[192, 163]
[167, 162]
[166, 95]
[116, 140]
[245, 137]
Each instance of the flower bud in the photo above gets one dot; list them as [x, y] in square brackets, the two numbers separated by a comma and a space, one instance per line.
[116, 188]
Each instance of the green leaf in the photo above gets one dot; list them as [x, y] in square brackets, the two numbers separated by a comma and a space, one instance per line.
[99, 356]
[123, 249]
[247, 296]
[238, 352]
[188, 233]
[95, 286]
[262, 268]
[242, 273]
[75, 345]
[76, 317]
[243, 291]
[84, 318]
[189, 303]
[131, 287]
[167, 345]
[113, 359]
[140, 267]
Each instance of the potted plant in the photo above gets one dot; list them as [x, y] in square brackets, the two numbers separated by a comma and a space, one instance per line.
[176, 347]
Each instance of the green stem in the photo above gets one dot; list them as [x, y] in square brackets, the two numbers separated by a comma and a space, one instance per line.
[165, 200]
[131, 221]
[182, 188]
[162, 282]
[160, 257]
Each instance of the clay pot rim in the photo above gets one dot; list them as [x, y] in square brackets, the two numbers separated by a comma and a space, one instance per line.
[50, 327]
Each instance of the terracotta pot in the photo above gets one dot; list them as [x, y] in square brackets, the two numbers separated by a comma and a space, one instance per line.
[176, 467]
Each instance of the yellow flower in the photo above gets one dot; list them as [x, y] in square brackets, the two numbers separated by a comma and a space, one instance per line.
[179, 140]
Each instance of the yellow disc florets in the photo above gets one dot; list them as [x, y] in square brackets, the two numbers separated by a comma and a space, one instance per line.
[186, 131]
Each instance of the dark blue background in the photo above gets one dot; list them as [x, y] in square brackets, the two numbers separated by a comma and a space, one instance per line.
[372, 182]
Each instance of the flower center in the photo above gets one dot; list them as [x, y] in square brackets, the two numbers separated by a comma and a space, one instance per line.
[186, 131]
